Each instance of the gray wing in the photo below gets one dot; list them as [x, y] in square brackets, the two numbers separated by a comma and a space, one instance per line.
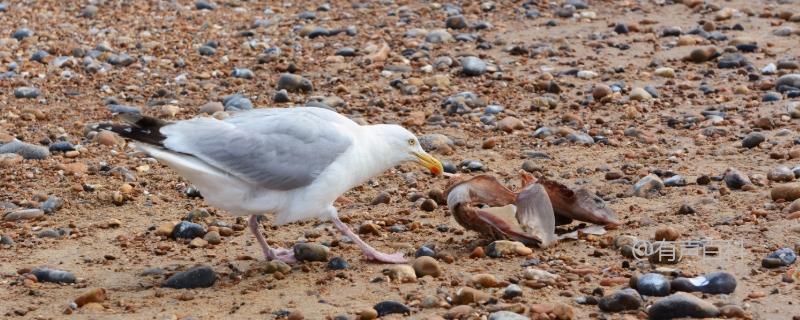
[535, 213]
[278, 149]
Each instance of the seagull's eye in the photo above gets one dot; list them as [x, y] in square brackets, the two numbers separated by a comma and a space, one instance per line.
[411, 142]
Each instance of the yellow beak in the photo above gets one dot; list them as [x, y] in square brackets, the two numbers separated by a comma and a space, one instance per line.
[429, 162]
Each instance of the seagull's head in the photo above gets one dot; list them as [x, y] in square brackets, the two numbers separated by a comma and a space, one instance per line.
[405, 145]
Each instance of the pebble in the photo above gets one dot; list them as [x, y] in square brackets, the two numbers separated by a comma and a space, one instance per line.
[427, 266]
[467, 295]
[96, 295]
[438, 36]
[601, 91]
[458, 312]
[204, 5]
[198, 243]
[473, 66]
[506, 315]
[719, 282]
[733, 311]
[206, 50]
[771, 96]
[665, 72]
[781, 174]
[735, 179]
[391, 307]
[732, 60]
[682, 305]
[456, 22]
[310, 252]
[5, 240]
[368, 314]
[281, 96]
[346, 52]
[196, 277]
[53, 275]
[701, 55]
[786, 191]
[653, 284]
[52, 204]
[484, 280]
[24, 214]
[294, 83]
[779, 258]
[428, 205]
[503, 248]
[26, 93]
[425, 251]
[187, 230]
[236, 102]
[243, 73]
[213, 237]
[639, 94]
[621, 28]
[788, 82]
[625, 299]
[401, 273]
[648, 186]
[22, 33]
[509, 124]
[675, 181]
[337, 263]
[769, 69]
[211, 107]
[580, 138]
[512, 291]
[666, 234]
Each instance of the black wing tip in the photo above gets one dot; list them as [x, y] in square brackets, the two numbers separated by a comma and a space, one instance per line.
[138, 127]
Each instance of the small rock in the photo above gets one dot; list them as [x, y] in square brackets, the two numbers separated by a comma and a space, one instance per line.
[438, 36]
[509, 124]
[458, 312]
[198, 243]
[294, 83]
[236, 102]
[24, 149]
[368, 314]
[753, 139]
[206, 50]
[786, 191]
[425, 251]
[682, 305]
[713, 283]
[281, 96]
[467, 295]
[204, 5]
[97, 295]
[647, 186]
[428, 205]
[243, 73]
[665, 72]
[779, 258]
[701, 55]
[381, 198]
[310, 252]
[187, 230]
[391, 307]
[212, 107]
[666, 234]
[22, 34]
[653, 284]
[26, 93]
[213, 237]
[625, 299]
[735, 179]
[502, 248]
[197, 277]
[639, 94]
[507, 315]
[473, 66]
[781, 174]
[165, 229]
[512, 291]
[484, 280]
[601, 91]
[402, 273]
[24, 214]
[427, 266]
[732, 311]
[456, 22]
[675, 181]
[337, 263]
[53, 275]
[788, 82]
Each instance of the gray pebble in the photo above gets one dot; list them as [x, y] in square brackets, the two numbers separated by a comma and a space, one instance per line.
[653, 284]
[712, 283]
[197, 277]
[438, 36]
[682, 305]
[753, 139]
[294, 83]
[512, 291]
[53, 275]
[625, 299]
[391, 307]
[26, 93]
[204, 5]
[206, 50]
[237, 102]
[507, 315]
[675, 181]
[22, 34]
[310, 252]
[242, 73]
[788, 82]
[779, 258]
[648, 186]
[473, 66]
[52, 204]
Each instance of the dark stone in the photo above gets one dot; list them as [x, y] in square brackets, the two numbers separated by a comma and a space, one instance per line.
[771, 96]
[187, 230]
[197, 277]
[753, 139]
[206, 50]
[425, 251]
[337, 263]
[391, 307]
[779, 258]
[204, 5]
[712, 283]
[236, 102]
[346, 52]
[61, 146]
[473, 66]
[682, 305]
[53, 275]
[625, 299]
[732, 60]
[281, 96]
[621, 28]
[653, 284]
[22, 34]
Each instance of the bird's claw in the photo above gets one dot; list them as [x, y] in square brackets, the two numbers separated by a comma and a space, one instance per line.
[396, 257]
[285, 255]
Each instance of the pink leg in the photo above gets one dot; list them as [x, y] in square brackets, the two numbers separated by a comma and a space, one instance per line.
[370, 252]
[269, 253]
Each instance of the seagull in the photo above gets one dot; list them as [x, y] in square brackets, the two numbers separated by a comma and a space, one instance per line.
[290, 162]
